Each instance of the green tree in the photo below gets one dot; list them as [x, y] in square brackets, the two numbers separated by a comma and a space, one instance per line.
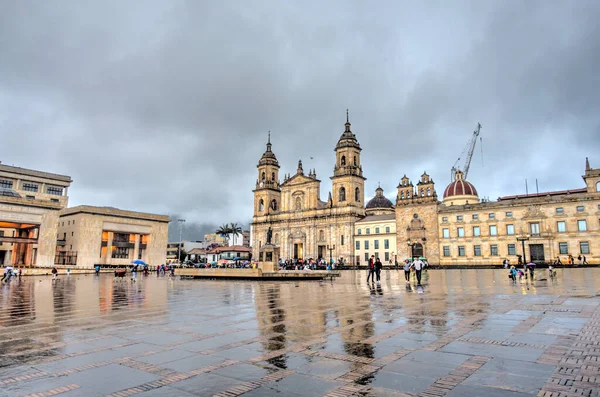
[235, 230]
[224, 230]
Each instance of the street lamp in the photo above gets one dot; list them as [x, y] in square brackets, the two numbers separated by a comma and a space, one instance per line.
[181, 221]
[330, 249]
[522, 238]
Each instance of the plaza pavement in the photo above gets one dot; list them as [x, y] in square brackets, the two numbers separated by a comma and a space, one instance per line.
[469, 333]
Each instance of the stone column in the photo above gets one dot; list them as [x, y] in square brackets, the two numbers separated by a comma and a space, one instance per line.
[109, 243]
[136, 247]
[29, 249]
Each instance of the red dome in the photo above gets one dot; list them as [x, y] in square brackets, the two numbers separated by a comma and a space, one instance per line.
[460, 187]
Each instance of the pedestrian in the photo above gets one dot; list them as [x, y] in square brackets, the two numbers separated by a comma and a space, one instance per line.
[585, 262]
[54, 273]
[21, 272]
[133, 272]
[418, 266]
[407, 270]
[579, 259]
[97, 267]
[371, 269]
[6, 275]
[378, 267]
[531, 270]
[513, 274]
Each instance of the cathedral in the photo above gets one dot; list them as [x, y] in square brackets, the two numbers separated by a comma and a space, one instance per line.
[302, 225]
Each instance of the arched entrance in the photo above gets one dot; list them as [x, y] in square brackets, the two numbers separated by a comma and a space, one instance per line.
[417, 250]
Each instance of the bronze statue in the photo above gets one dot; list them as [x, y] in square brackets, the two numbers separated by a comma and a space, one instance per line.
[269, 235]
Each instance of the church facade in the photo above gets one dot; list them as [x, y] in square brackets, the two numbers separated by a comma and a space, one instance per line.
[302, 225]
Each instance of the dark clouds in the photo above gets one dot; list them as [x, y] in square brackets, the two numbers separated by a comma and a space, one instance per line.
[164, 106]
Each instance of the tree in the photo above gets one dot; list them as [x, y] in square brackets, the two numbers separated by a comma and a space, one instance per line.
[182, 256]
[235, 230]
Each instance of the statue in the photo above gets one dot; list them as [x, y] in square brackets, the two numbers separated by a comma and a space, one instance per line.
[269, 235]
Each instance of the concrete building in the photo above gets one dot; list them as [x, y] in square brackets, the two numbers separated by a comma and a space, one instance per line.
[172, 249]
[376, 233]
[30, 202]
[246, 238]
[302, 225]
[214, 238]
[229, 253]
[110, 236]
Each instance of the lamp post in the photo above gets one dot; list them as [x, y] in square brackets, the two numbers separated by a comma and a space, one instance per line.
[330, 249]
[181, 221]
[522, 238]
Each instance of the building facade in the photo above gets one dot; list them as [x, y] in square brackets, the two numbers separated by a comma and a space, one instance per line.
[30, 203]
[110, 236]
[302, 225]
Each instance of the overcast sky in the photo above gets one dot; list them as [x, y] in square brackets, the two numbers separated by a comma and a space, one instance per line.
[164, 106]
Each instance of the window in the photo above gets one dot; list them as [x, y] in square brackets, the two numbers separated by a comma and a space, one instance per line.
[510, 230]
[492, 215]
[261, 205]
[30, 187]
[534, 228]
[342, 240]
[509, 214]
[343, 161]
[68, 223]
[512, 249]
[584, 247]
[357, 244]
[461, 231]
[493, 230]
[57, 191]
[446, 233]
[366, 256]
[387, 256]
[368, 231]
[6, 184]
[274, 205]
[561, 226]
[357, 195]
[446, 250]
[444, 219]
[30, 197]
[54, 200]
[563, 248]
[559, 210]
[459, 218]
[359, 231]
[342, 194]
[366, 244]
[387, 229]
[386, 244]
[72, 234]
[376, 230]
[494, 250]
[476, 231]
[376, 255]
[477, 250]
[461, 250]
[580, 208]
[120, 253]
[376, 244]
[475, 217]
[582, 225]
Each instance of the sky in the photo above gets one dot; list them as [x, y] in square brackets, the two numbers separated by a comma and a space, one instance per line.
[165, 106]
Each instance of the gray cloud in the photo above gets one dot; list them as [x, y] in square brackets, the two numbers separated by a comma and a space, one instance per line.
[164, 106]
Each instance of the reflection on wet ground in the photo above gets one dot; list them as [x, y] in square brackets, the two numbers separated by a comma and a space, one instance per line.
[465, 333]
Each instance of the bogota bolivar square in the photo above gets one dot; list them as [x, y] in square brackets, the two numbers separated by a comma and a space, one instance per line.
[395, 198]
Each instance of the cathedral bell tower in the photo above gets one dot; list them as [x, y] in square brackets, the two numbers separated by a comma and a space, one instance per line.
[267, 194]
[348, 181]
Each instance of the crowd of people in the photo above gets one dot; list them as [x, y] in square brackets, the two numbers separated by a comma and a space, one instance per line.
[416, 265]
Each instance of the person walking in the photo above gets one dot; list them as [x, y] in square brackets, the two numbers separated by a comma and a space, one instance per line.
[54, 273]
[585, 262]
[407, 271]
[371, 269]
[378, 267]
[418, 266]
[579, 259]
[133, 272]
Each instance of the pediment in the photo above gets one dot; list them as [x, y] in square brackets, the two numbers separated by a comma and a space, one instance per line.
[299, 179]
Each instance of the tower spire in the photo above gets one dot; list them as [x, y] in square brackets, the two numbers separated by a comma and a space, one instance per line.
[347, 116]
[269, 140]
[587, 164]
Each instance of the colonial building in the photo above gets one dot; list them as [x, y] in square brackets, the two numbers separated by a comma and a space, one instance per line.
[302, 225]
[376, 233]
[461, 229]
[110, 236]
[30, 202]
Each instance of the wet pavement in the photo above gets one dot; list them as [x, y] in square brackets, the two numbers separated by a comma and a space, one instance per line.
[465, 333]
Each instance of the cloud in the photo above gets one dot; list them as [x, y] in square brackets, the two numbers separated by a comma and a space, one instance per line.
[165, 106]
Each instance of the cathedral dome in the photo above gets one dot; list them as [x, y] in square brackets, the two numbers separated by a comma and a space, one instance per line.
[348, 138]
[379, 203]
[460, 191]
[268, 157]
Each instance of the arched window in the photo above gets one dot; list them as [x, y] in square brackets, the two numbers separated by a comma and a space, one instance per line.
[342, 240]
[321, 235]
[343, 161]
[262, 176]
[428, 191]
[407, 194]
[355, 162]
[276, 238]
[357, 195]
[274, 205]
[273, 176]
[298, 204]
[261, 205]
[342, 194]
[422, 192]
[598, 187]
[402, 196]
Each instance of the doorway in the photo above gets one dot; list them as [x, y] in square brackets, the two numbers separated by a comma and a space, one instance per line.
[2, 257]
[417, 250]
[321, 251]
[298, 251]
[537, 252]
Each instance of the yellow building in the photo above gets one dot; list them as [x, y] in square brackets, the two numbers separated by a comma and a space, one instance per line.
[302, 225]
[214, 238]
[110, 236]
[30, 202]
[376, 233]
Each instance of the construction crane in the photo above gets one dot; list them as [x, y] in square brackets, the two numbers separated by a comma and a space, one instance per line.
[469, 149]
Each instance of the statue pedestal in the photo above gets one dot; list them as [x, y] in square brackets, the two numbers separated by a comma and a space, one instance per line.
[268, 259]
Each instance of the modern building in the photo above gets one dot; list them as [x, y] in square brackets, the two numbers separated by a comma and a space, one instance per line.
[375, 234]
[172, 249]
[30, 203]
[301, 224]
[236, 252]
[246, 238]
[214, 238]
[110, 236]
